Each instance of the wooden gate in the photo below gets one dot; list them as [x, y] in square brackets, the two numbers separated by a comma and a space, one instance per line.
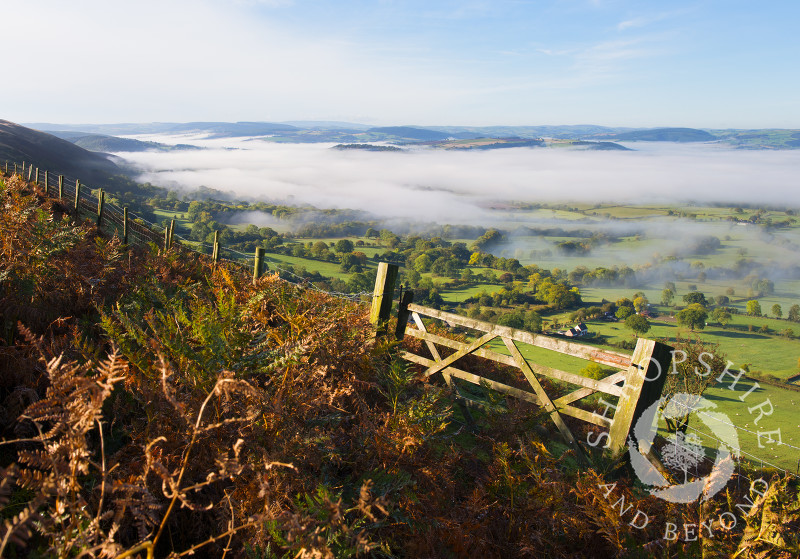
[638, 382]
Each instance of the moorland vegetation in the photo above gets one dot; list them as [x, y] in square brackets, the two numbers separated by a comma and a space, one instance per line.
[156, 404]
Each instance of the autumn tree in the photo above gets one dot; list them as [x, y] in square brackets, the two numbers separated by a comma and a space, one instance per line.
[753, 308]
[640, 303]
[721, 315]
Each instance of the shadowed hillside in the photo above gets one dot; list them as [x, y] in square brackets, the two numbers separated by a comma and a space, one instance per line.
[18, 144]
[108, 144]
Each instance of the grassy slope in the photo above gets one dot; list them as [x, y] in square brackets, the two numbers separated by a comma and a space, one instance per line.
[784, 417]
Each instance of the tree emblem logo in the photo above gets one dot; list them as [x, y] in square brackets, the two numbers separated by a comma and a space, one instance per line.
[684, 452]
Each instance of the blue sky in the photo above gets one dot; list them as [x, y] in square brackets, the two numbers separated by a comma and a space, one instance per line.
[710, 64]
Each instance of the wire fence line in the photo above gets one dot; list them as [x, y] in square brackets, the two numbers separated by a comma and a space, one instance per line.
[89, 202]
[754, 457]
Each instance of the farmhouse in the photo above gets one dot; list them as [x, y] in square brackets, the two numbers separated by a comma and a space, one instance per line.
[577, 331]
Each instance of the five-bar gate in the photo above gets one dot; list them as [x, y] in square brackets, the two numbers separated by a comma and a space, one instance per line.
[637, 383]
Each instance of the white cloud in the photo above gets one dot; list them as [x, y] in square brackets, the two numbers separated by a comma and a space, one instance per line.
[638, 22]
[645, 20]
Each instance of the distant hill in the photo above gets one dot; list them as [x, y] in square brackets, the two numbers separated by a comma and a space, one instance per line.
[411, 133]
[104, 144]
[761, 139]
[563, 132]
[216, 129]
[352, 133]
[600, 146]
[483, 144]
[365, 147]
[665, 135]
[18, 143]
[326, 125]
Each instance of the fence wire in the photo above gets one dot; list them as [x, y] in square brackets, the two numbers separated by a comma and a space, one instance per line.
[738, 428]
[143, 232]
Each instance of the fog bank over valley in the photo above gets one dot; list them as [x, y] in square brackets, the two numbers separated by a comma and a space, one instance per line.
[457, 186]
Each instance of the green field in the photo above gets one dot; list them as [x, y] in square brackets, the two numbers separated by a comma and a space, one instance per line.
[330, 269]
[767, 353]
[784, 417]
[461, 295]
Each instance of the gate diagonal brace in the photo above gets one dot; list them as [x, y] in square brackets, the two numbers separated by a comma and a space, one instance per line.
[437, 357]
[477, 344]
[543, 397]
[431, 346]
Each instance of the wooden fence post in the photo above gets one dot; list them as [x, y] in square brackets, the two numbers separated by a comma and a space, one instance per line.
[30, 173]
[125, 225]
[77, 195]
[382, 297]
[215, 249]
[15, 168]
[171, 231]
[259, 259]
[101, 200]
[60, 187]
[36, 175]
[46, 184]
[644, 383]
[403, 313]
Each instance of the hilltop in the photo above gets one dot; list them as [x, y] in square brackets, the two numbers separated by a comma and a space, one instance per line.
[103, 144]
[664, 135]
[220, 129]
[409, 133]
[18, 143]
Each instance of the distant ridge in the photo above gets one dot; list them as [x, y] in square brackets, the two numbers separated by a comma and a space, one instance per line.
[665, 135]
[104, 144]
[334, 132]
[216, 129]
[18, 143]
[365, 147]
[411, 133]
[326, 125]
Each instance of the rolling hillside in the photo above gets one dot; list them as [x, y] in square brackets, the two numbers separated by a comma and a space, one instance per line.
[665, 135]
[18, 143]
[106, 144]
